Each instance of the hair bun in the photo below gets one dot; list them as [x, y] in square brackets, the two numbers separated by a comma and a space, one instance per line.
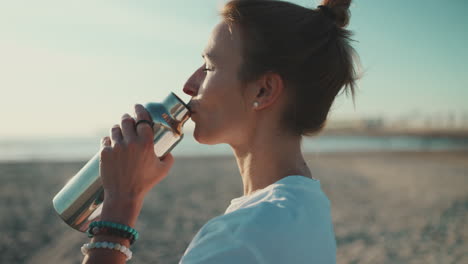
[337, 10]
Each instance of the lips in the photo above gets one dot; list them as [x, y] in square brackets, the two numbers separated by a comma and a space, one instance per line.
[190, 110]
[190, 106]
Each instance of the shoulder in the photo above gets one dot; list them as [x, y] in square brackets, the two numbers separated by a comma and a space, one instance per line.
[287, 201]
[285, 210]
[279, 225]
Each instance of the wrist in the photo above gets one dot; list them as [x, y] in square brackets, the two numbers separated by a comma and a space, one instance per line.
[123, 210]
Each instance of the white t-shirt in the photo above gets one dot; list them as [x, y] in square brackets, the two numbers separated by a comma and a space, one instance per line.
[287, 222]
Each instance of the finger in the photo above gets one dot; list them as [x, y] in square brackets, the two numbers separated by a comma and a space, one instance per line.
[116, 134]
[144, 130]
[106, 149]
[128, 128]
[105, 142]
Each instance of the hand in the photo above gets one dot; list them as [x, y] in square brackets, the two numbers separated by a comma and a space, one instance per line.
[129, 167]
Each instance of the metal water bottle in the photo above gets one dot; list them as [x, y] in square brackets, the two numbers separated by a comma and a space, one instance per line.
[80, 201]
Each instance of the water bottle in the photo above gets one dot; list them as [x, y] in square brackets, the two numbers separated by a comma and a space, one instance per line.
[80, 201]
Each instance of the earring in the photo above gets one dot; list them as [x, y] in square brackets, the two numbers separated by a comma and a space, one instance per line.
[255, 104]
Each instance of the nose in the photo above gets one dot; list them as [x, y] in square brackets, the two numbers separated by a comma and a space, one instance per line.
[192, 85]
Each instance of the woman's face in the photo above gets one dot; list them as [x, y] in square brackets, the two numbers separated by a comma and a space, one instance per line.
[219, 108]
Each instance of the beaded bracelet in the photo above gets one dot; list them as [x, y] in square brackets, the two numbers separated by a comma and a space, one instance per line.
[94, 231]
[112, 225]
[107, 245]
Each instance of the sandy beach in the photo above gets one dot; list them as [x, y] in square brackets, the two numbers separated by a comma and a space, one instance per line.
[395, 207]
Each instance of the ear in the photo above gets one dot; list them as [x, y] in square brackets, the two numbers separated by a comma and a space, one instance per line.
[267, 90]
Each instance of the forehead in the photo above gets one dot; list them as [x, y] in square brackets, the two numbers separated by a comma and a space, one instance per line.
[224, 42]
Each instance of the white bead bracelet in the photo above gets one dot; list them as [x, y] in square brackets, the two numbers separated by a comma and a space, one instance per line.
[107, 245]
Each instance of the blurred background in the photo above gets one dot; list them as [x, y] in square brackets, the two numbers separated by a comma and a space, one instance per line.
[395, 165]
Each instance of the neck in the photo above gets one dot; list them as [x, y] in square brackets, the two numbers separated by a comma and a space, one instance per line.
[269, 157]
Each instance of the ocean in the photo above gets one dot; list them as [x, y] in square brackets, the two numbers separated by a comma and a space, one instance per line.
[68, 149]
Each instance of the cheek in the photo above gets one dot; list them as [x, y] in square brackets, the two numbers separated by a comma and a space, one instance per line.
[222, 115]
[227, 118]
[218, 127]
[213, 90]
[222, 121]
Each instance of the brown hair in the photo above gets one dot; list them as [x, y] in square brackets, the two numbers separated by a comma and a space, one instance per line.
[309, 48]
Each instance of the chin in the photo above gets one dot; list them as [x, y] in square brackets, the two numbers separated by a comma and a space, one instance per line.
[203, 138]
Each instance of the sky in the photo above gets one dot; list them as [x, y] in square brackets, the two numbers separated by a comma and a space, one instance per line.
[72, 68]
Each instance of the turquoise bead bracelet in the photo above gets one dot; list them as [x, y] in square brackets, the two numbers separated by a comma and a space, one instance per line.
[117, 226]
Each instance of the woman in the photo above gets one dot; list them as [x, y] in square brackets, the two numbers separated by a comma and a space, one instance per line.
[272, 70]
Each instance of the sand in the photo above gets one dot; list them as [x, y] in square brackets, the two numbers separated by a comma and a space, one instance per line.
[387, 207]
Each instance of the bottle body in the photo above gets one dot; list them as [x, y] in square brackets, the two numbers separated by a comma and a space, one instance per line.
[80, 201]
